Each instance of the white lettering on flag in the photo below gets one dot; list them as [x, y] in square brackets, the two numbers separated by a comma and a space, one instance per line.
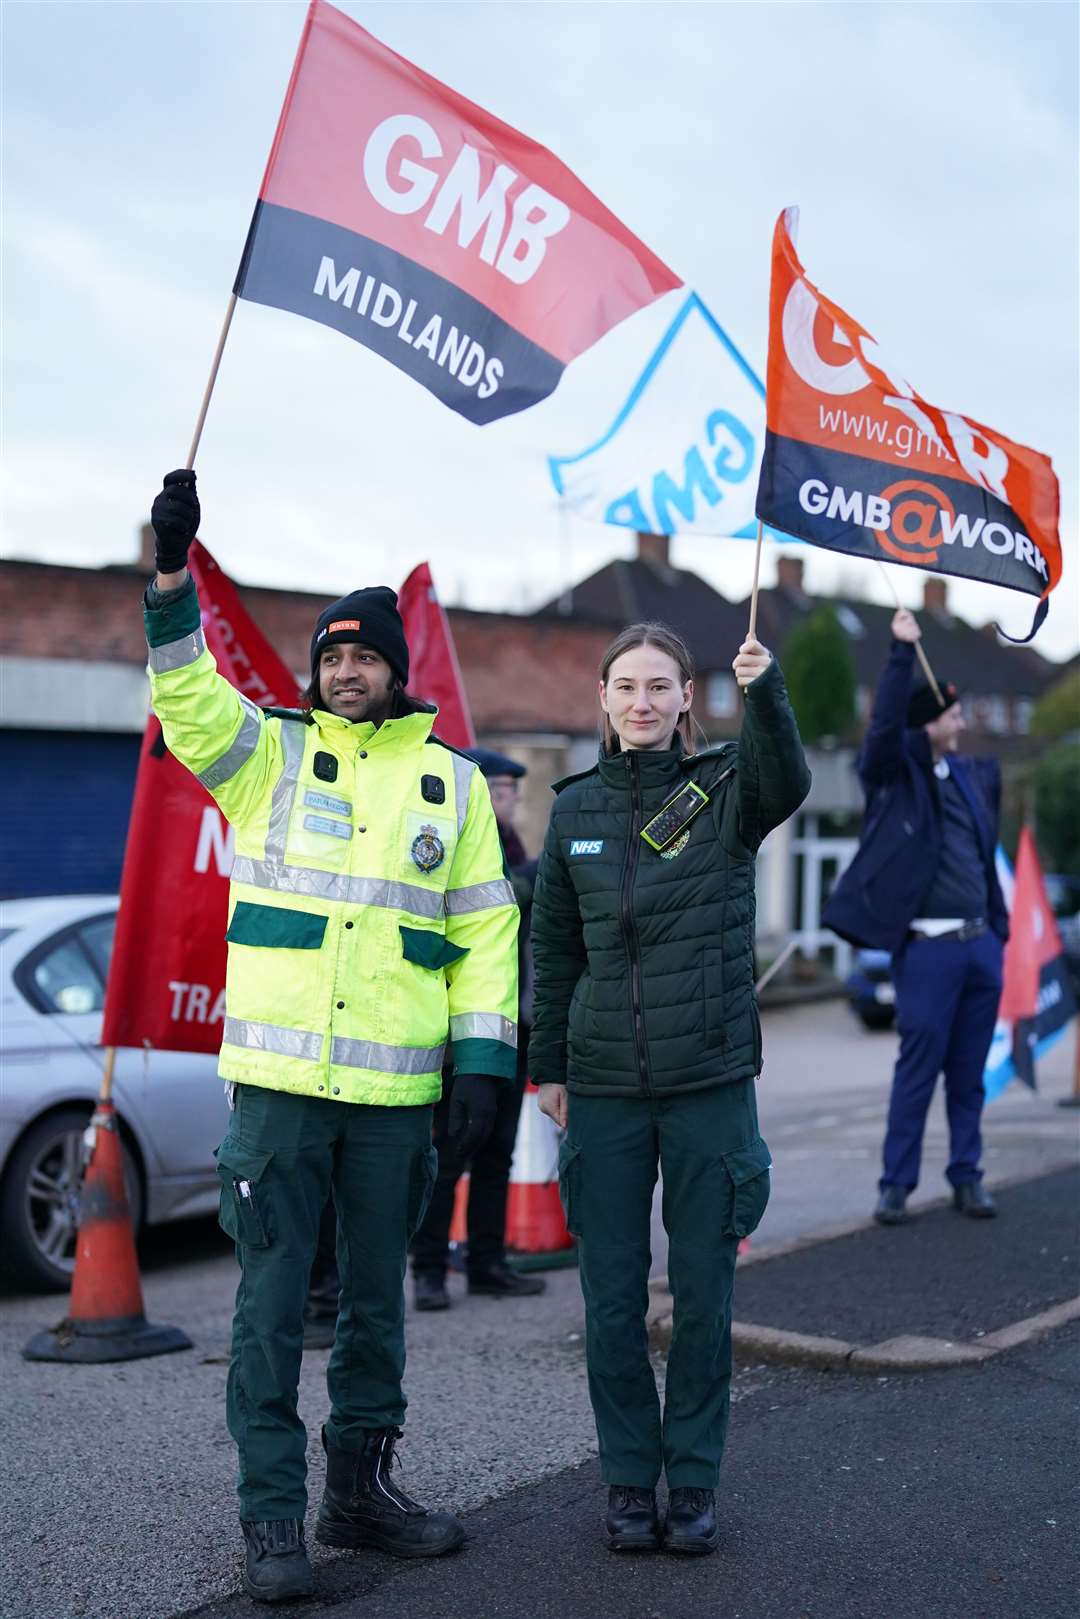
[682, 455]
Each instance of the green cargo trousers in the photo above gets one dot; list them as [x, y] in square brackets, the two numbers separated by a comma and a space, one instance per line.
[715, 1170]
[277, 1164]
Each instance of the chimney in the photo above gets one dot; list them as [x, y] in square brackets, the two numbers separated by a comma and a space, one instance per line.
[935, 597]
[146, 549]
[654, 548]
[789, 572]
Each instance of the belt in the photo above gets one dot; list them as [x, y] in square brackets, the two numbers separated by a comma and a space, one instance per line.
[968, 930]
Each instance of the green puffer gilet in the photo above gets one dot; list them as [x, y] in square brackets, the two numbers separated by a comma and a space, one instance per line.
[644, 966]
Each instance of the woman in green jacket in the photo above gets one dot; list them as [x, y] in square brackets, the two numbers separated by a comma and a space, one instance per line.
[646, 1045]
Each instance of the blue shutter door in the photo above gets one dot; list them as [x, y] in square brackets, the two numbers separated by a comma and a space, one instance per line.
[65, 800]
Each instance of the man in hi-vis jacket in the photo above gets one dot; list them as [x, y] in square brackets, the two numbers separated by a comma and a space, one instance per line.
[370, 923]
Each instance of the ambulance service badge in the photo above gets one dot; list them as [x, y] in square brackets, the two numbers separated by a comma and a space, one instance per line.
[428, 851]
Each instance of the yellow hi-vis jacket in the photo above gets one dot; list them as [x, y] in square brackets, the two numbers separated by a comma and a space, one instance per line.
[370, 918]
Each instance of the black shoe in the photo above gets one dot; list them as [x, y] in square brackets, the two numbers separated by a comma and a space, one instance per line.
[973, 1199]
[319, 1328]
[430, 1293]
[277, 1567]
[892, 1206]
[691, 1524]
[632, 1522]
[362, 1506]
[503, 1282]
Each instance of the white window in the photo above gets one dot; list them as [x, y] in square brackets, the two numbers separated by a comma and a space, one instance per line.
[1022, 708]
[997, 716]
[721, 696]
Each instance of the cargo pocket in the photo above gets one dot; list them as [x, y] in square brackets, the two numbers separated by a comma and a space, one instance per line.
[569, 1184]
[425, 1167]
[243, 1212]
[748, 1171]
[425, 948]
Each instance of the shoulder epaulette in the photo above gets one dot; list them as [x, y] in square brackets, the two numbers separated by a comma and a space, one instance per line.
[568, 781]
[304, 714]
[719, 750]
[441, 742]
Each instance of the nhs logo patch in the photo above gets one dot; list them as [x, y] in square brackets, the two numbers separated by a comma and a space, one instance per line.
[586, 846]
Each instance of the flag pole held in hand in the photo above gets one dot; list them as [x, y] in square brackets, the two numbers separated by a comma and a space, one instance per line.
[751, 633]
[215, 365]
[919, 653]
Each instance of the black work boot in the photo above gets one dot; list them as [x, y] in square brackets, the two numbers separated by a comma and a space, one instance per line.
[691, 1524]
[430, 1291]
[892, 1206]
[972, 1198]
[362, 1506]
[632, 1522]
[502, 1281]
[277, 1566]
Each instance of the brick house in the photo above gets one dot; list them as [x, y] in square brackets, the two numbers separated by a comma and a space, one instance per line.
[531, 682]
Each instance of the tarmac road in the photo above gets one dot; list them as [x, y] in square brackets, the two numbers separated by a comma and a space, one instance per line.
[946, 1496]
[116, 1495]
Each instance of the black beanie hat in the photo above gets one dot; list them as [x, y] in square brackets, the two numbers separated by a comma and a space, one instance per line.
[370, 616]
[924, 706]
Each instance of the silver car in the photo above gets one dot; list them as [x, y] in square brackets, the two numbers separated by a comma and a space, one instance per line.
[54, 959]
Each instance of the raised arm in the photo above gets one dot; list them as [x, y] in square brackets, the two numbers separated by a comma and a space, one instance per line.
[882, 751]
[772, 774]
[219, 735]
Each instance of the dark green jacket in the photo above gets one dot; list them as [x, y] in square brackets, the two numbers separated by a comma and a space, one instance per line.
[644, 965]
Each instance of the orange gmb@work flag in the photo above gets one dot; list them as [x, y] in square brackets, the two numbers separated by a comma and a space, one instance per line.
[856, 461]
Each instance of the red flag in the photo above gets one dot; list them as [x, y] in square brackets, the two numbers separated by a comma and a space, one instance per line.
[167, 977]
[857, 461]
[434, 672]
[1034, 940]
[425, 228]
[1036, 995]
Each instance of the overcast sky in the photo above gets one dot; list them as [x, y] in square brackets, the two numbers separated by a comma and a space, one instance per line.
[932, 149]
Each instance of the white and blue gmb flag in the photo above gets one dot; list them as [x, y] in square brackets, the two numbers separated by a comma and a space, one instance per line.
[683, 452]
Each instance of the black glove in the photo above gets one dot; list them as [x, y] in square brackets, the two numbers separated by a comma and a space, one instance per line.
[472, 1112]
[174, 517]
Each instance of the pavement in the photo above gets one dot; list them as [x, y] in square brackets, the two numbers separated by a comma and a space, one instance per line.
[943, 1290]
[116, 1498]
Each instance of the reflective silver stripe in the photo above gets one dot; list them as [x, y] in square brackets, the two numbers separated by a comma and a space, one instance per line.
[463, 775]
[239, 750]
[323, 801]
[334, 829]
[281, 802]
[479, 897]
[175, 654]
[332, 885]
[483, 1026]
[271, 1037]
[385, 1059]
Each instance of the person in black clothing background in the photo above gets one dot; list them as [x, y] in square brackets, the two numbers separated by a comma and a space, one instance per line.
[489, 1170]
[923, 885]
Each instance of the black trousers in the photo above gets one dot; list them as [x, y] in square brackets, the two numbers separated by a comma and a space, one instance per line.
[489, 1179]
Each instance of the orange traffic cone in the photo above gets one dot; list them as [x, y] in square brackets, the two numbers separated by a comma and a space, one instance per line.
[535, 1223]
[536, 1230]
[105, 1320]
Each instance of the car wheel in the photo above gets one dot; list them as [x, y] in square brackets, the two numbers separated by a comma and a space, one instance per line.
[877, 1017]
[39, 1203]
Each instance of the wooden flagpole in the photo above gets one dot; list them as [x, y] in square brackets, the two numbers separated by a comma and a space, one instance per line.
[751, 632]
[205, 406]
[919, 653]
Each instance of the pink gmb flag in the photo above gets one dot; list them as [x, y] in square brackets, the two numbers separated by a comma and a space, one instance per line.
[421, 226]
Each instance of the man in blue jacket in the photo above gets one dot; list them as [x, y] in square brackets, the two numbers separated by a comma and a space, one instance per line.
[923, 885]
